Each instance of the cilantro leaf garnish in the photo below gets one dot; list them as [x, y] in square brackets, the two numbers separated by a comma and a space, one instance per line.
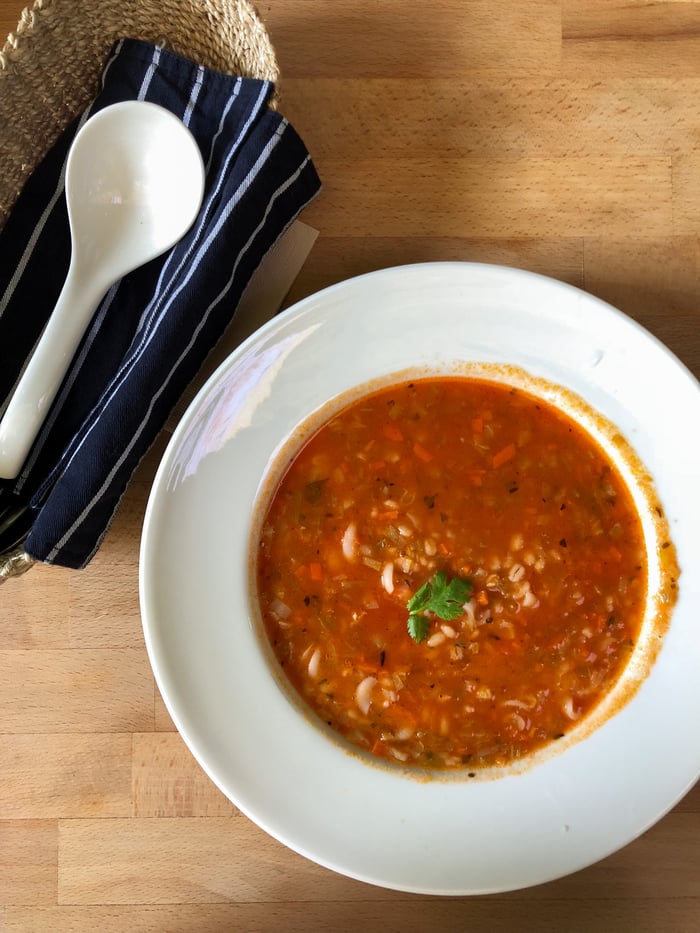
[444, 599]
[418, 626]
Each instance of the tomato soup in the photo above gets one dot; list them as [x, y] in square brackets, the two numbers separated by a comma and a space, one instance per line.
[451, 573]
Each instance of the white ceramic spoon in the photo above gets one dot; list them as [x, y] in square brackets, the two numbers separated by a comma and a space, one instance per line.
[134, 184]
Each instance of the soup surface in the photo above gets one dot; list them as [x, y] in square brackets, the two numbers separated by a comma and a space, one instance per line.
[451, 573]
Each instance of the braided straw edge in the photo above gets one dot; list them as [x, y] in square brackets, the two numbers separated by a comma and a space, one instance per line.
[32, 20]
[26, 28]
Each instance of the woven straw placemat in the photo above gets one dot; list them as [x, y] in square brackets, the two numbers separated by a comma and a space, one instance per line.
[49, 67]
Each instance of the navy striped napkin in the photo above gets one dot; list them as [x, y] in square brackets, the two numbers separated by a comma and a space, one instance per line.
[153, 330]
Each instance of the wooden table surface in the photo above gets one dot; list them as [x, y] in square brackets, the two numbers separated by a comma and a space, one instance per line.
[562, 136]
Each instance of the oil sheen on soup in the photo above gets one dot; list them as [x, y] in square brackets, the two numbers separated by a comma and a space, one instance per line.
[451, 573]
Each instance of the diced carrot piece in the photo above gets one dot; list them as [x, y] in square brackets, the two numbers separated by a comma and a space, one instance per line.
[422, 453]
[503, 456]
[392, 432]
[316, 572]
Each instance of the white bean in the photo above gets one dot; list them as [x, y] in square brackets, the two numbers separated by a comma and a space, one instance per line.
[315, 663]
[363, 693]
[388, 577]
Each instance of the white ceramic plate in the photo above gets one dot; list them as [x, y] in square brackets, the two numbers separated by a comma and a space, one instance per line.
[375, 824]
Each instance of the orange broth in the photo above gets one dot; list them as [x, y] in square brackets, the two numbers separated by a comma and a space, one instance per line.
[483, 482]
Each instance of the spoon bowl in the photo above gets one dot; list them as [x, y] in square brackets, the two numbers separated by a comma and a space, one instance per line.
[134, 185]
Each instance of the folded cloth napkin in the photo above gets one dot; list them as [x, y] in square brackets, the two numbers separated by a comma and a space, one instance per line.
[153, 329]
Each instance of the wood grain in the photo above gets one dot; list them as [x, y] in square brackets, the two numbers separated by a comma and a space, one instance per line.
[79, 774]
[403, 916]
[28, 861]
[100, 861]
[554, 118]
[82, 690]
[631, 39]
[560, 136]
[494, 197]
[437, 39]
[167, 781]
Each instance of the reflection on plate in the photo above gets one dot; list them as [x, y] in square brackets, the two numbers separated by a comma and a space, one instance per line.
[382, 826]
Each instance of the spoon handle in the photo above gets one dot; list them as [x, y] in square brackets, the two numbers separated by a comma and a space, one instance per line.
[46, 369]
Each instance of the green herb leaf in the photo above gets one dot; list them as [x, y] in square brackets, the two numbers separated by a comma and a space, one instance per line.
[420, 599]
[418, 626]
[438, 596]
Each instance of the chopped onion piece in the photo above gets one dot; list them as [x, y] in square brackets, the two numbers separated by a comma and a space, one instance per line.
[406, 732]
[521, 704]
[280, 609]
